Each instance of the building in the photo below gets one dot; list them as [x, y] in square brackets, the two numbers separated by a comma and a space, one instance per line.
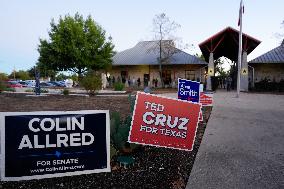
[269, 66]
[142, 62]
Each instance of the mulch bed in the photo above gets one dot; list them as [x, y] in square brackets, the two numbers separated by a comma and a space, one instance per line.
[154, 167]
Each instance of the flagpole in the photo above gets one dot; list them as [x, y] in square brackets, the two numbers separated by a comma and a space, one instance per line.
[240, 48]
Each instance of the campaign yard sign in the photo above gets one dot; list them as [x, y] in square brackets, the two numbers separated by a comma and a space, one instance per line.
[188, 90]
[206, 98]
[37, 145]
[164, 122]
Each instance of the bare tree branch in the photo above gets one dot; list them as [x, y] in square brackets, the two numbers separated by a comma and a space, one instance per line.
[164, 34]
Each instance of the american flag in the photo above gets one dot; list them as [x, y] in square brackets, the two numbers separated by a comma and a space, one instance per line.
[241, 11]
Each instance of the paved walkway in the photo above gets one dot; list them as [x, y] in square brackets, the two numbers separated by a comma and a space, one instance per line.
[243, 145]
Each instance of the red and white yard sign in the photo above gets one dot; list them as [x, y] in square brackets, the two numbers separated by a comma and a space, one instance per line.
[164, 122]
[206, 99]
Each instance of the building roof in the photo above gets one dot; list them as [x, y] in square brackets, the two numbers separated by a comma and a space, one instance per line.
[276, 55]
[147, 53]
[226, 43]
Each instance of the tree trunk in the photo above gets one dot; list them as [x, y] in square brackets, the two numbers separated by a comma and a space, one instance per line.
[160, 65]
[80, 76]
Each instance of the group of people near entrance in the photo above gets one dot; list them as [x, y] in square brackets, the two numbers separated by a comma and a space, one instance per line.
[131, 82]
[225, 83]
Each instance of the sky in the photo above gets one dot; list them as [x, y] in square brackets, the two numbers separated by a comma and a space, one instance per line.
[23, 23]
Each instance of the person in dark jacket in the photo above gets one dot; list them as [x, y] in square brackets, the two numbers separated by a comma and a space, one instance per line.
[138, 82]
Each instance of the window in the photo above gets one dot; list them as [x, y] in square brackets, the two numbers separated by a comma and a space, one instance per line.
[190, 74]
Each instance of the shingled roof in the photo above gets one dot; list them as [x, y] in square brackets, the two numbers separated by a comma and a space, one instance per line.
[146, 53]
[276, 55]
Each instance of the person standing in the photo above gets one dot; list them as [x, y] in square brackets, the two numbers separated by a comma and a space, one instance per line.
[133, 82]
[118, 79]
[129, 81]
[229, 83]
[153, 82]
[138, 82]
[220, 83]
[113, 80]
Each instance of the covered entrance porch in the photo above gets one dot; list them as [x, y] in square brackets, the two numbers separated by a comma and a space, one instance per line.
[226, 43]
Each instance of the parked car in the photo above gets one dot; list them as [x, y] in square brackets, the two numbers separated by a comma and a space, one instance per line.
[69, 83]
[57, 83]
[23, 83]
[46, 85]
[27, 84]
[30, 84]
[13, 84]
[62, 83]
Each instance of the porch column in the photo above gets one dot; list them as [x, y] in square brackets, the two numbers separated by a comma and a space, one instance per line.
[210, 72]
[244, 73]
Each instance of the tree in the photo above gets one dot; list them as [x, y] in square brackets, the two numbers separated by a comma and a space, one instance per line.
[280, 35]
[220, 66]
[75, 44]
[74, 77]
[20, 75]
[44, 71]
[31, 72]
[164, 29]
[200, 56]
[61, 77]
[3, 77]
[219, 69]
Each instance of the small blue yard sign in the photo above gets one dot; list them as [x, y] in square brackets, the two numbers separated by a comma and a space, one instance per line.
[188, 90]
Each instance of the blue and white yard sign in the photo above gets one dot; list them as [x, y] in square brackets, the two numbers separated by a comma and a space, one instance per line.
[188, 90]
[37, 145]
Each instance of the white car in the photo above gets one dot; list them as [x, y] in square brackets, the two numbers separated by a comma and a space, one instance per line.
[30, 83]
[69, 83]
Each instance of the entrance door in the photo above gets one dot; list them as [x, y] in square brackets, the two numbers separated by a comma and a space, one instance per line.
[167, 77]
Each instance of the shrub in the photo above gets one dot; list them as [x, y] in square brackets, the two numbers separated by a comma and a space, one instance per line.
[43, 90]
[91, 82]
[29, 90]
[2, 86]
[119, 129]
[10, 89]
[65, 92]
[118, 86]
